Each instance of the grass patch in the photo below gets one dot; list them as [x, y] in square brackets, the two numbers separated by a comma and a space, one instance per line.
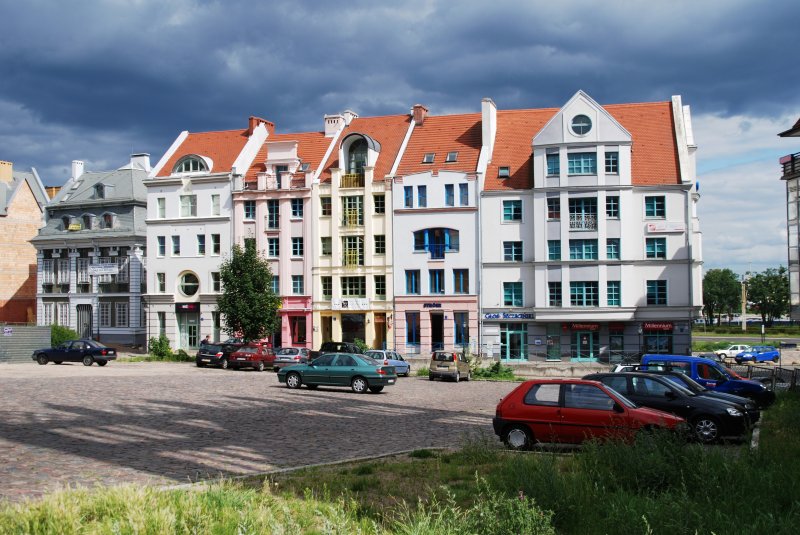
[423, 372]
[657, 485]
[180, 356]
[496, 372]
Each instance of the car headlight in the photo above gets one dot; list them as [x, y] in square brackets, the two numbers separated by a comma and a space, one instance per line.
[733, 412]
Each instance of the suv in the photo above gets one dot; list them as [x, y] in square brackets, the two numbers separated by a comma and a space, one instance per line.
[450, 365]
[256, 356]
[710, 419]
[711, 375]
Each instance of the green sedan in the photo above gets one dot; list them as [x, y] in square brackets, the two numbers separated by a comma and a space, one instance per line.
[359, 372]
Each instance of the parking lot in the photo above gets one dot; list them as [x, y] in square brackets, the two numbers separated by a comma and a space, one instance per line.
[168, 423]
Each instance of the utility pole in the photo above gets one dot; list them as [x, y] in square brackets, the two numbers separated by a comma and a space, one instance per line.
[744, 302]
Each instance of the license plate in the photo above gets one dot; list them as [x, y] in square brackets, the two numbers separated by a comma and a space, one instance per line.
[442, 367]
[390, 381]
[240, 358]
[206, 360]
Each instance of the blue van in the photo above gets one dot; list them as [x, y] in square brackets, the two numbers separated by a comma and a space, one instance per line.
[713, 376]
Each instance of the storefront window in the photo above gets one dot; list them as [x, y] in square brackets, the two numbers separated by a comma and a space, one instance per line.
[658, 342]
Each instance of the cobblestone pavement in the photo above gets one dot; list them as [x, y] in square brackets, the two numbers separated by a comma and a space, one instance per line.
[167, 423]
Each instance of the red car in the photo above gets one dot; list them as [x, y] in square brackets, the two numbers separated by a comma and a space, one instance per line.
[256, 356]
[572, 411]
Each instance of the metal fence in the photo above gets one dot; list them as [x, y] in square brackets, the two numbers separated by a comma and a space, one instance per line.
[773, 377]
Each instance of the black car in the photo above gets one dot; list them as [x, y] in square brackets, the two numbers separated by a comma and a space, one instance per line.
[216, 354]
[84, 350]
[710, 419]
[687, 382]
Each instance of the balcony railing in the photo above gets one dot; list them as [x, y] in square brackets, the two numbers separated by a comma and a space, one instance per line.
[582, 222]
[436, 251]
[352, 218]
[352, 258]
[791, 166]
[352, 180]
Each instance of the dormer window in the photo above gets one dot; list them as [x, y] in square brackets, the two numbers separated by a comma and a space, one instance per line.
[65, 222]
[304, 167]
[503, 172]
[88, 221]
[581, 125]
[451, 157]
[191, 164]
[428, 157]
[99, 191]
[108, 221]
[357, 159]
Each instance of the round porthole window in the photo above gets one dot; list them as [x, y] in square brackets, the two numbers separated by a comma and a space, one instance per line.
[581, 124]
[189, 284]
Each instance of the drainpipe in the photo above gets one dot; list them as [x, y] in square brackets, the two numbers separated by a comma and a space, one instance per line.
[690, 261]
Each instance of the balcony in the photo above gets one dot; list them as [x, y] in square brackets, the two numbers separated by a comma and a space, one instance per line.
[352, 218]
[791, 166]
[352, 258]
[352, 180]
[436, 251]
[583, 222]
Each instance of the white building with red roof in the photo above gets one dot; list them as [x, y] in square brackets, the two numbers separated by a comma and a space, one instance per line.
[190, 229]
[590, 237]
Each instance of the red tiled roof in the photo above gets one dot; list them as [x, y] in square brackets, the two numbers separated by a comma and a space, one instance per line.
[440, 135]
[654, 158]
[388, 130]
[223, 147]
[311, 147]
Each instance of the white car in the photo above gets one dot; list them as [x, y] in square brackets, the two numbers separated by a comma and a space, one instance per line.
[733, 350]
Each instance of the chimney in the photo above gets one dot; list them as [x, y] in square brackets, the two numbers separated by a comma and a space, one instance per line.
[488, 124]
[253, 123]
[77, 169]
[419, 112]
[6, 171]
[141, 160]
[349, 115]
[333, 123]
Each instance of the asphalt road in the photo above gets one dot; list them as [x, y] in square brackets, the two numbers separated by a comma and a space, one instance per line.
[168, 423]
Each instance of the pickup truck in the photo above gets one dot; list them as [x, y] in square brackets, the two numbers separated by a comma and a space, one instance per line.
[334, 347]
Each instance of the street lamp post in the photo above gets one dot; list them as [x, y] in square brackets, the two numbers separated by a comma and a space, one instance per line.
[640, 339]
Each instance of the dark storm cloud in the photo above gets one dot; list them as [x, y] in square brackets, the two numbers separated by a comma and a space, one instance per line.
[105, 78]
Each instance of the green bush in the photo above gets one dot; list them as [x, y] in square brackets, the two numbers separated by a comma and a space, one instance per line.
[495, 371]
[159, 347]
[59, 335]
[423, 372]
[361, 345]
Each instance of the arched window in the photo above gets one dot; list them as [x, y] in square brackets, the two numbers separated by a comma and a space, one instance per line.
[189, 284]
[190, 164]
[357, 158]
[437, 241]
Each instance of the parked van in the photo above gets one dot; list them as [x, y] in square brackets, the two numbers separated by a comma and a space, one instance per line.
[711, 375]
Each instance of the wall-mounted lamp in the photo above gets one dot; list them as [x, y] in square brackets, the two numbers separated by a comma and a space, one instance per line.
[368, 321]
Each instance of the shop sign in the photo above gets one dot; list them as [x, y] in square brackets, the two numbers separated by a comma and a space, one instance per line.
[351, 303]
[665, 226]
[508, 316]
[583, 326]
[616, 327]
[74, 226]
[431, 305]
[187, 307]
[657, 326]
[103, 269]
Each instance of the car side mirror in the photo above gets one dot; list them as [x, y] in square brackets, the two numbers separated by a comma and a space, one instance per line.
[618, 408]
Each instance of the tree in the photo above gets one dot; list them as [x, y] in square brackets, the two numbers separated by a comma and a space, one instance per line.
[247, 302]
[721, 293]
[769, 294]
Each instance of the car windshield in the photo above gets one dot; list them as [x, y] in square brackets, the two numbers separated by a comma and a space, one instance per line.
[443, 357]
[92, 343]
[211, 348]
[288, 351]
[686, 382]
[370, 361]
[248, 349]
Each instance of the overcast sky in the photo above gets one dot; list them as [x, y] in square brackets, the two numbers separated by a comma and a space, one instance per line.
[111, 77]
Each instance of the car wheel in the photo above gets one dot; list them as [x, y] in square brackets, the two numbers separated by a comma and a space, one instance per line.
[88, 361]
[260, 367]
[375, 389]
[458, 376]
[41, 359]
[430, 377]
[199, 364]
[102, 362]
[293, 380]
[774, 359]
[518, 437]
[706, 429]
[469, 376]
[359, 385]
[224, 364]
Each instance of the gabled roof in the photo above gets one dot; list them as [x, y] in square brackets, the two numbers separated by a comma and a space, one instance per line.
[388, 130]
[440, 135]
[222, 147]
[793, 131]
[654, 159]
[311, 147]
[8, 190]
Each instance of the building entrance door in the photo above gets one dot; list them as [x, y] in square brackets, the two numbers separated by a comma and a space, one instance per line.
[188, 330]
[437, 331]
[84, 317]
[585, 345]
